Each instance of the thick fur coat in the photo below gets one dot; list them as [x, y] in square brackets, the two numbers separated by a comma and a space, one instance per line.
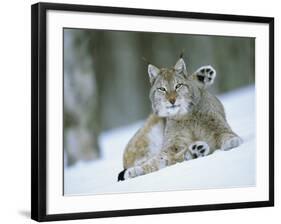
[187, 122]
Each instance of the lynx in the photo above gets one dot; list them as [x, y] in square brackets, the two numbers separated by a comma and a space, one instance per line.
[187, 122]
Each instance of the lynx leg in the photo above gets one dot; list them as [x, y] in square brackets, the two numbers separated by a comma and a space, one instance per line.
[173, 151]
[146, 142]
[188, 155]
[206, 75]
[155, 163]
[130, 173]
[230, 141]
[133, 172]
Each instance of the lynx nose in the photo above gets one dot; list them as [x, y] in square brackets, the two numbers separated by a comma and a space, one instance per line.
[172, 100]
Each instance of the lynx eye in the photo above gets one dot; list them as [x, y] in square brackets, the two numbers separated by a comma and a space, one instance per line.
[162, 89]
[178, 86]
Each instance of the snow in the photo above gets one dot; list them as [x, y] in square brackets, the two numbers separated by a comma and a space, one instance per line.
[222, 169]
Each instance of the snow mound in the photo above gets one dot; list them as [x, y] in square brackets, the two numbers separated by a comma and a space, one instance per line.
[222, 169]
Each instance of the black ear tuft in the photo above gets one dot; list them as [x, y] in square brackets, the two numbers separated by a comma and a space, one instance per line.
[121, 175]
[145, 61]
[181, 54]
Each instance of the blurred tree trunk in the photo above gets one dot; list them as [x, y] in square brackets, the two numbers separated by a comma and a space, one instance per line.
[120, 79]
[80, 129]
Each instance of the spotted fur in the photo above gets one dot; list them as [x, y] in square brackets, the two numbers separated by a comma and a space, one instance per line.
[187, 121]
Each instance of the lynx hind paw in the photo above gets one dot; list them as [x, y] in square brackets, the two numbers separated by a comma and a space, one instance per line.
[231, 143]
[130, 173]
[206, 75]
[199, 149]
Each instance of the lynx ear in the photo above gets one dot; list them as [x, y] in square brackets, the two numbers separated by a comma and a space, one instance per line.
[153, 72]
[180, 67]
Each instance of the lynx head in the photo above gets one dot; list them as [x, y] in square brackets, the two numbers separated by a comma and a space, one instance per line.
[174, 92]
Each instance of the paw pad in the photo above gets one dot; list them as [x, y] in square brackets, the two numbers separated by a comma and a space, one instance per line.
[199, 149]
[206, 74]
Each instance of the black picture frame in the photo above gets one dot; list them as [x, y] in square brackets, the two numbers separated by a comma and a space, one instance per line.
[39, 108]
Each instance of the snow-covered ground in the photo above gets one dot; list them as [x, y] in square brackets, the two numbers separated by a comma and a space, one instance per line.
[222, 169]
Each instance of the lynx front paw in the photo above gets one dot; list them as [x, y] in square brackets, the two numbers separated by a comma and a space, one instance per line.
[130, 173]
[206, 75]
[231, 143]
[199, 149]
